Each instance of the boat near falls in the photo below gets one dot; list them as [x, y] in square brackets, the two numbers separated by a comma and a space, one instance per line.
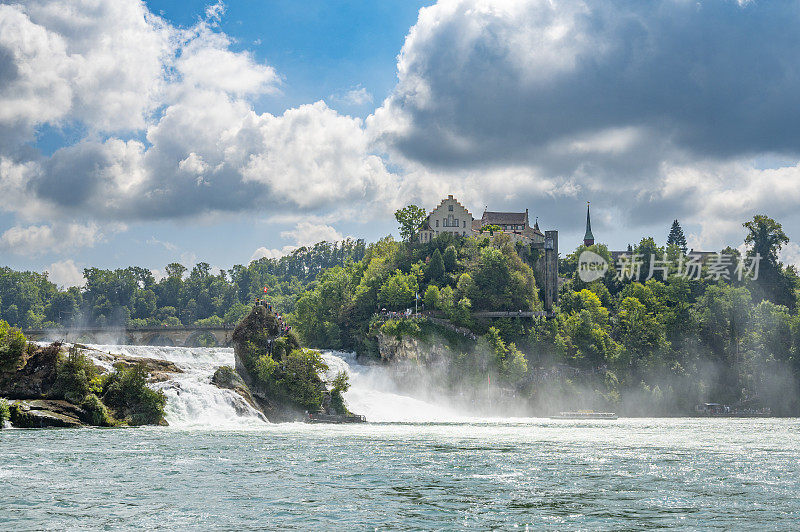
[585, 414]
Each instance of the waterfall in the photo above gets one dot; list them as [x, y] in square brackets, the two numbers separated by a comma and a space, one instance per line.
[374, 393]
[193, 402]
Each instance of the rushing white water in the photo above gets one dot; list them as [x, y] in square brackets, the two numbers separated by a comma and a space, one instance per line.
[192, 401]
[374, 394]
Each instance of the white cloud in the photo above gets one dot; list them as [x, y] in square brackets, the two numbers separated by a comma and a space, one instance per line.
[66, 274]
[309, 233]
[528, 103]
[356, 96]
[627, 105]
[262, 253]
[166, 245]
[99, 62]
[206, 62]
[790, 254]
[314, 157]
[47, 239]
[206, 149]
[305, 233]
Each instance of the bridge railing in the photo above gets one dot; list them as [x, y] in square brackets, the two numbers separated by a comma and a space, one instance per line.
[224, 327]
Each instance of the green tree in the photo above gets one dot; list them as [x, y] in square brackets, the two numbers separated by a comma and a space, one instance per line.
[764, 241]
[676, 237]
[450, 259]
[639, 331]
[410, 219]
[398, 291]
[431, 297]
[435, 269]
[12, 345]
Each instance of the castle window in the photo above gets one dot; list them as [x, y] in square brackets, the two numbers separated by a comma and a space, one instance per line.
[465, 224]
[450, 208]
[437, 225]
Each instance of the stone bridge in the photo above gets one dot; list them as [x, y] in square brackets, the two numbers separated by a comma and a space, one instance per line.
[169, 336]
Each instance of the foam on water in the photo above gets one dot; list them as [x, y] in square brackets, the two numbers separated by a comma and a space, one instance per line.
[193, 402]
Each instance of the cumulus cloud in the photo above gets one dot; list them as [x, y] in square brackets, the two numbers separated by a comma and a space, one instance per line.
[607, 101]
[42, 239]
[198, 145]
[100, 63]
[66, 274]
[654, 111]
[305, 233]
[355, 96]
[309, 233]
[271, 253]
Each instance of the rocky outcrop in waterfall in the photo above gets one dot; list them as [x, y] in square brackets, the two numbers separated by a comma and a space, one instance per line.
[60, 386]
[278, 375]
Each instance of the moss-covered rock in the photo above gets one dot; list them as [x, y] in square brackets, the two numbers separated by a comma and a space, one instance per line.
[46, 413]
[282, 376]
[225, 377]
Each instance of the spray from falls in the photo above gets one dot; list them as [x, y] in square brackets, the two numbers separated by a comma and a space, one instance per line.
[374, 394]
[193, 402]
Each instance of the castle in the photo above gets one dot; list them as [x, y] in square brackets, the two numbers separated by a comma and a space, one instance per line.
[450, 216]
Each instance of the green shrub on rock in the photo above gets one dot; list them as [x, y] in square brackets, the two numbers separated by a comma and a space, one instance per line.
[96, 412]
[340, 383]
[127, 393]
[299, 379]
[4, 413]
[12, 345]
[76, 377]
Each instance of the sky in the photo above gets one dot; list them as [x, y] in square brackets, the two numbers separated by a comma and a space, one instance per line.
[143, 133]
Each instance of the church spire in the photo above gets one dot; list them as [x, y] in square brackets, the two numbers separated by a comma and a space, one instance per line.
[588, 238]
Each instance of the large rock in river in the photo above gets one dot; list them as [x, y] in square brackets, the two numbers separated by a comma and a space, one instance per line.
[43, 413]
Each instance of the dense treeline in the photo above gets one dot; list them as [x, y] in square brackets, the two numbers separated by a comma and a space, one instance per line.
[132, 296]
[659, 345]
[659, 342]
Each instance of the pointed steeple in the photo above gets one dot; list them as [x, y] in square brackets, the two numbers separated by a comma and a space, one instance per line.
[588, 238]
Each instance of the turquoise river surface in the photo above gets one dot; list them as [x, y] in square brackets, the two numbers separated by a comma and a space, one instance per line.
[416, 466]
[628, 474]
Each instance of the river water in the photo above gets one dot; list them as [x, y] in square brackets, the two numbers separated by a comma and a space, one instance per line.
[415, 466]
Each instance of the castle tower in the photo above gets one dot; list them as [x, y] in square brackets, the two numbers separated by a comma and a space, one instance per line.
[588, 238]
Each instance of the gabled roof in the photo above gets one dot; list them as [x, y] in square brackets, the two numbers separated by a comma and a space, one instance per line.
[450, 197]
[504, 218]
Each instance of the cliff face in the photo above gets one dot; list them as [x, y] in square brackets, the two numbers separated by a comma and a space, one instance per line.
[408, 349]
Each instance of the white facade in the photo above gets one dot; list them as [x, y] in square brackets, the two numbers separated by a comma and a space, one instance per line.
[449, 217]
